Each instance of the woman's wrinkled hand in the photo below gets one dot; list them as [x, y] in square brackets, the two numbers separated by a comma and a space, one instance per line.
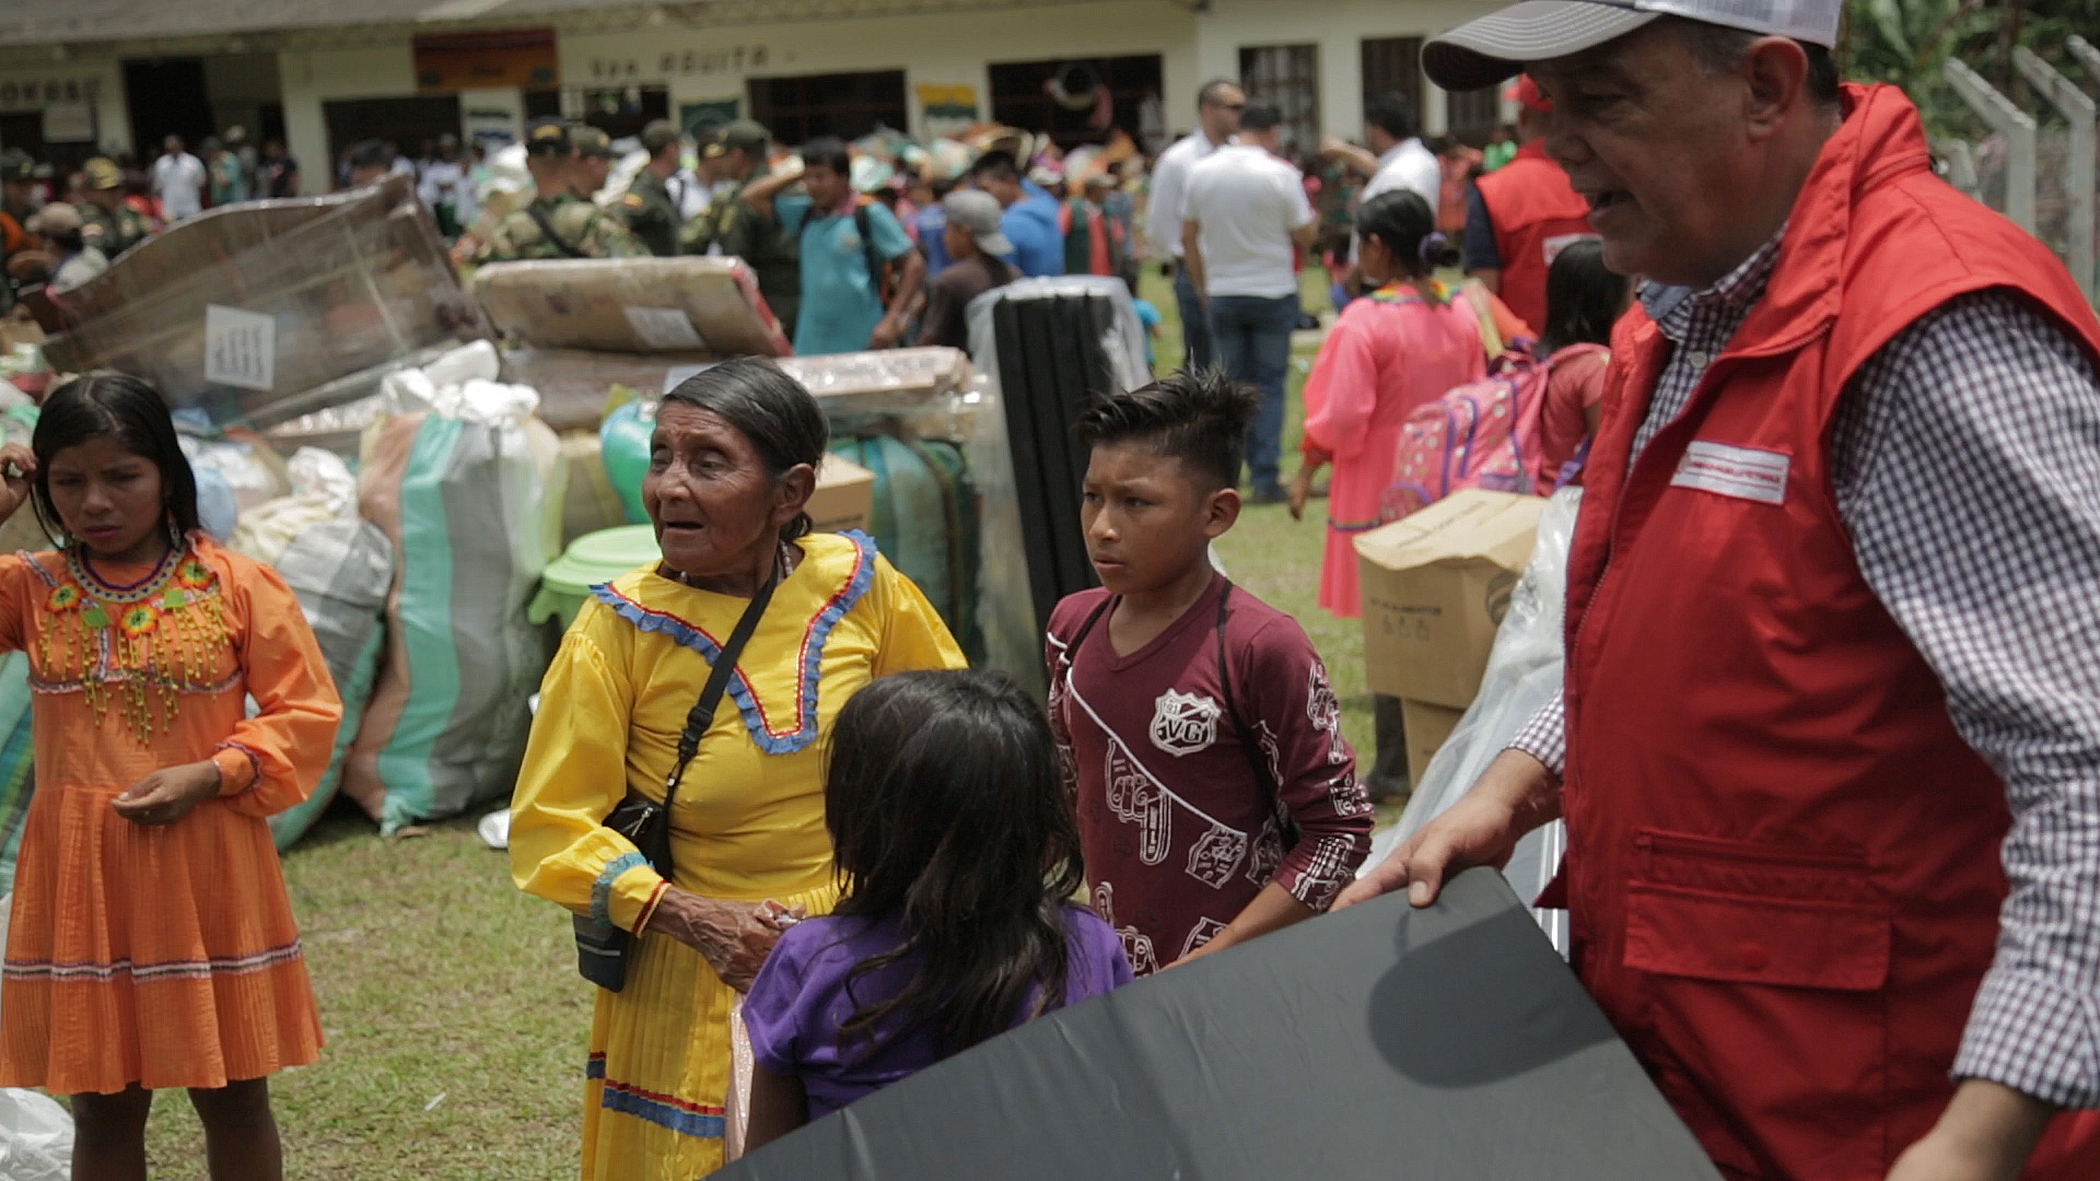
[733, 937]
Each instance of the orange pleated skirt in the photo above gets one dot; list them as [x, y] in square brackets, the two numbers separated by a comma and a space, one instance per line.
[162, 957]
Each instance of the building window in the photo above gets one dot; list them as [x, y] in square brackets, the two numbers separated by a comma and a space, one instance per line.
[1022, 96]
[1472, 115]
[1289, 77]
[1390, 64]
[797, 110]
[618, 111]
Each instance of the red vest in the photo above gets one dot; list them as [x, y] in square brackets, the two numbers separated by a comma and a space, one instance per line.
[1783, 869]
[1536, 212]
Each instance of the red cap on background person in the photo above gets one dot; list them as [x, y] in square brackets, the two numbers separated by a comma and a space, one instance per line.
[1526, 93]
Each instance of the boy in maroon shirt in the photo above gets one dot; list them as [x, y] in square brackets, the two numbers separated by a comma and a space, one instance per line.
[1217, 797]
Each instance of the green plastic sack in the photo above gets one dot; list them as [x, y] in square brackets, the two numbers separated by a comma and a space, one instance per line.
[341, 572]
[17, 774]
[472, 502]
[925, 519]
[624, 440]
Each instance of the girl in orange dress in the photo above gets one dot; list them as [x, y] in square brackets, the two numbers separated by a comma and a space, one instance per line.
[152, 942]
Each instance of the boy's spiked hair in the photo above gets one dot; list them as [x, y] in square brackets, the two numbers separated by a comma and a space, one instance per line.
[1200, 419]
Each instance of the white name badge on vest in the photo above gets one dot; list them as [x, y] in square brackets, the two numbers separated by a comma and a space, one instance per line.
[1744, 473]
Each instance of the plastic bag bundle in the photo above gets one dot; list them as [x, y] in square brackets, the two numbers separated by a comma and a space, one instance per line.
[341, 570]
[468, 487]
[36, 1137]
[1524, 671]
[924, 520]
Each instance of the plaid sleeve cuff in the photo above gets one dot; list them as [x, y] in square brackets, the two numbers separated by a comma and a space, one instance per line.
[1545, 736]
[2037, 1037]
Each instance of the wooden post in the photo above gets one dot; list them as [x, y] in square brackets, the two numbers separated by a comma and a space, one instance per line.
[2079, 177]
[2018, 128]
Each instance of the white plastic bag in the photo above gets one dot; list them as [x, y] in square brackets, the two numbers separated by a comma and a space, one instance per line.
[1524, 671]
[36, 1137]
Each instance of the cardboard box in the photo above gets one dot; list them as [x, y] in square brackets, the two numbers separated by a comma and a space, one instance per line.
[1435, 587]
[632, 305]
[845, 496]
[1428, 728]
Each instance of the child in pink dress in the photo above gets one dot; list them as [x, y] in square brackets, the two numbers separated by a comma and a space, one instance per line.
[1410, 342]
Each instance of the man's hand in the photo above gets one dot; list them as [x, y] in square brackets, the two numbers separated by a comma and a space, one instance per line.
[887, 333]
[17, 469]
[1986, 1134]
[169, 794]
[1515, 795]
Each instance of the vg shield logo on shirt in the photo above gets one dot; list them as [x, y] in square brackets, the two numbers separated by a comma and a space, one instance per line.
[1184, 723]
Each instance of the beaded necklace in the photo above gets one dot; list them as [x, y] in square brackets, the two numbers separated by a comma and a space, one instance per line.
[143, 644]
[1397, 292]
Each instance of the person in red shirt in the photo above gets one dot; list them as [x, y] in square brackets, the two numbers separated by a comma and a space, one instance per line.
[1523, 214]
[1217, 798]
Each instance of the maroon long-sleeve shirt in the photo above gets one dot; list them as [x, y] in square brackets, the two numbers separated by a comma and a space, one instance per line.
[1180, 834]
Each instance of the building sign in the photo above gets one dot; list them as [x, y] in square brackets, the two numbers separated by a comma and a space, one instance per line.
[949, 109]
[66, 122]
[682, 63]
[501, 60]
[33, 94]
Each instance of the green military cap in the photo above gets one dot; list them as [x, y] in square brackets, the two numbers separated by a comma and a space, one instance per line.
[752, 137]
[547, 137]
[660, 134]
[591, 142]
[15, 164]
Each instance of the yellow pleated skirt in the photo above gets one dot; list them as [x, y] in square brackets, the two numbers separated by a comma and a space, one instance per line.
[658, 1073]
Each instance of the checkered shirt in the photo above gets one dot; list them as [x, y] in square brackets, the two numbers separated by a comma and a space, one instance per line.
[1986, 396]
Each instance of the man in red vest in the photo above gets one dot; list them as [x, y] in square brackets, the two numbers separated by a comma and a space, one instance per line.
[1522, 214]
[1829, 746]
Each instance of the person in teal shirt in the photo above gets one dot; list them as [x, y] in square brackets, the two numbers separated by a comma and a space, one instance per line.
[860, 271]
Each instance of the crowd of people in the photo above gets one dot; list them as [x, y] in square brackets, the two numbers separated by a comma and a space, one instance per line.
[1826, 764]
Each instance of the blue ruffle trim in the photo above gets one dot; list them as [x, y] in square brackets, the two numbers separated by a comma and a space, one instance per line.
[601, 890]
[813, 641]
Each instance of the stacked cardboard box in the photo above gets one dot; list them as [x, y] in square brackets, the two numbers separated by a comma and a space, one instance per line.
[1435, 587]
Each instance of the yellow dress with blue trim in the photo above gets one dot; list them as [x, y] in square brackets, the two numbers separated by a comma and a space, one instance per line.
[748, 823]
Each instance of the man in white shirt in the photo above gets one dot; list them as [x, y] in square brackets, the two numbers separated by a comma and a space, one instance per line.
[1218, 107]
[178, 180]
[1404, 161]
[1244, 218]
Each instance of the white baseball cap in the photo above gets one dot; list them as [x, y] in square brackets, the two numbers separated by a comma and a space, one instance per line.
[1495, 47]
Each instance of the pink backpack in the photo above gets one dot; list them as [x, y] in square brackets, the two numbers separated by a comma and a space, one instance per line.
[1484, 434]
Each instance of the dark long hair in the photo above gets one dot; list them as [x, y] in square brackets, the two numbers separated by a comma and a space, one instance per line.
[1404, 222]
[948, 815]
[112, 406]
[1583, 297]
[782, 420]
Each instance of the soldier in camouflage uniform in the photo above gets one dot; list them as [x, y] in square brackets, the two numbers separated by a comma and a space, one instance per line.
[109, 225]
[648, 207]
[578, 228]
[594, 160]
[734, 228]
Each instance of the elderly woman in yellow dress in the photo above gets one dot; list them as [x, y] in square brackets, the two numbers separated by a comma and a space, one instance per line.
[732, 464]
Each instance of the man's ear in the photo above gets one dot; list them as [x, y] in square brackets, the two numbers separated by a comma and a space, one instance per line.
[1222, 513]
[1776, 72]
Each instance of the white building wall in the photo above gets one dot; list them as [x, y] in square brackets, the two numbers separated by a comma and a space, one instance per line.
[711, 64]
[311, 77]
[112, 117]
[1339, 28]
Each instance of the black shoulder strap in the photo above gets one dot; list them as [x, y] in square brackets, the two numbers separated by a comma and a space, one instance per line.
[702, 716]
[864, 222]
[547, 228]
[1257, 757]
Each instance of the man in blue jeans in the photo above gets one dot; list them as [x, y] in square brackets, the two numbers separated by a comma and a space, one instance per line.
[1218, 106]
[1244, 217]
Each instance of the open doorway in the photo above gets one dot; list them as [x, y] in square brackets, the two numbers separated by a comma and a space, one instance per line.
[166, 96]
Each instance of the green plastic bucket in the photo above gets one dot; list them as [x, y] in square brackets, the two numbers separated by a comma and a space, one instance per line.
[590, 560]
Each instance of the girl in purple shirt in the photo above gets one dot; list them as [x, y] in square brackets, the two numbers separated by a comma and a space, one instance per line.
[958, 850]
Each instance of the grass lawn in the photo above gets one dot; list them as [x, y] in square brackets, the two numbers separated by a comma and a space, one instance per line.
[455, 1019]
